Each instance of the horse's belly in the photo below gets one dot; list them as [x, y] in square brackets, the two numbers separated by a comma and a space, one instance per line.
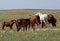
[41, 18]
[7, 25]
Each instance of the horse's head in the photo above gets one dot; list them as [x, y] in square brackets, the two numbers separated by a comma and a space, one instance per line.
[50, 16]
[38, 19]
[39, 13]
[13, 21]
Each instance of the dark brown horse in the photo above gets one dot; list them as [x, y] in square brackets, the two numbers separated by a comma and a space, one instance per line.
[52, 20]
[22, 23]
[8, 24]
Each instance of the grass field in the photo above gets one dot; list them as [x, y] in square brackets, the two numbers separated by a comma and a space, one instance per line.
[31, 36]
[41, 35]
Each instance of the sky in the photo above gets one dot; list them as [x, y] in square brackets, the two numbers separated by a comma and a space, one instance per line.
[29, 4]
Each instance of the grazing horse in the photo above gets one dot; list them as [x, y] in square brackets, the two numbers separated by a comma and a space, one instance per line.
[33, 21]
[43, 18]
[22, 23]
[52, 20]
[8, 24]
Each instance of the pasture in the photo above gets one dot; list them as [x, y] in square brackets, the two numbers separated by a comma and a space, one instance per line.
[40, 35]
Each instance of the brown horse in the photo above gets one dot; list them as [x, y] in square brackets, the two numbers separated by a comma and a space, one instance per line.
[22, 23]
[33, 20]
[8, 24]
[52, 20]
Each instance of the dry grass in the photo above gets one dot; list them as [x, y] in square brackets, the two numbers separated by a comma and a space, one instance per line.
[7, 15]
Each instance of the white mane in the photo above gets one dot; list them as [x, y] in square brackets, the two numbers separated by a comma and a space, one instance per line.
[39, 13]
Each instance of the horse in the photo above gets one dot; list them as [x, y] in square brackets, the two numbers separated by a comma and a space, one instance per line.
[26, 23]
[49, 19]
[52, 20]
[43, 18]
[22, 23]
[33, 21]
[8, 24]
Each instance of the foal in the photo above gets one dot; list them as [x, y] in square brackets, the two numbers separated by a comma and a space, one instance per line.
[8, 24]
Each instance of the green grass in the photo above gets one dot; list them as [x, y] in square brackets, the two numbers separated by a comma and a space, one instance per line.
[31, 36]
[6, 15]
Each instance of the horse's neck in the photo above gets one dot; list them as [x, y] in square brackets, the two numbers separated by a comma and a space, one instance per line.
[40, 14]
[45, 15]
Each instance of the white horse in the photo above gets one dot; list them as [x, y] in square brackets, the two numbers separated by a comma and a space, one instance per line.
[43, 18]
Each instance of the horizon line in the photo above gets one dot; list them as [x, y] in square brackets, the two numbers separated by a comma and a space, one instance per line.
[32, 8]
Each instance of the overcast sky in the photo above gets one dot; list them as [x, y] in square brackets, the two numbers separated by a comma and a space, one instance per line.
[29, 4]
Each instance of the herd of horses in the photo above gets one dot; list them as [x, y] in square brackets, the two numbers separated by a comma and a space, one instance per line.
[29, 22]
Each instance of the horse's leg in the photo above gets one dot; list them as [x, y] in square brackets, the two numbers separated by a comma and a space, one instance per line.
[29, 25]
[42, 24]
[45, 23]
[33, 27]
[11, 27]
[3, 27]
[26, 27]
[53, 24]
[18, 28]
[37, 22]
